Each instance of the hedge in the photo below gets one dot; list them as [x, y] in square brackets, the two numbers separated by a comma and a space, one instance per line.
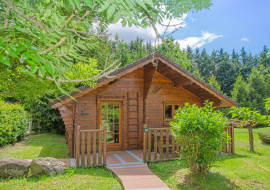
[265, 137]
[14, 122]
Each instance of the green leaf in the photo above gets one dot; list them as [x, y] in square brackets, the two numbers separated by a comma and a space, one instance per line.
[11, 52]
[89, 3]
[81, 46]
[124, 22]
[5, 60]
[26, 55]
[42, 70]
[30, 62]
[48, 67]
[134, 21]
[116, 17]
[110, 11]
[48, 12]
[3, 45]
[78, 4]
[103, 6]
[72, 3]
[141, 4]
[30, 46]
[34, 69]
[149, 2]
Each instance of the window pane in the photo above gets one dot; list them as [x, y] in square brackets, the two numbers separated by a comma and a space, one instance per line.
[116, 108]
[116, 118]
[112, 138]
[104, 108]
[110, 108]
[110, 118]
[116, 128]
[168, 113]
[110, 128]
[177, 107]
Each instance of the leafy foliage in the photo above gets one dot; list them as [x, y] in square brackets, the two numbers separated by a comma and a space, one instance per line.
[248, 117]
[40, 39]
[264, 137]
[200, 132]
[14, 122]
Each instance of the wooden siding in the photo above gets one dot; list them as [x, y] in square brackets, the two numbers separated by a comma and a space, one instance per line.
[155, 101]
[66, 112]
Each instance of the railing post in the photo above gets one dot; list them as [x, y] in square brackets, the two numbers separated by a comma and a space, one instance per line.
[104, 144]
[232, 125]
[144, 143]
[78, 146]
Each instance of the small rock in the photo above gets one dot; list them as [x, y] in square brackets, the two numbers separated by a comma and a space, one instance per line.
[12, 167]
[47, 166]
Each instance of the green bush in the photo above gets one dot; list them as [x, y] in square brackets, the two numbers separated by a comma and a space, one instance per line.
[14, 122]
[265, 137]
[200, 132]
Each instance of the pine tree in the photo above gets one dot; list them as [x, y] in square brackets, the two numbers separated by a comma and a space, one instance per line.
[240, 92]
[258, 92]
[213, 82]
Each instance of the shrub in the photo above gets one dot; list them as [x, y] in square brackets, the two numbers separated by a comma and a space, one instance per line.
[200, 132]
[265, 137]
[14, 122]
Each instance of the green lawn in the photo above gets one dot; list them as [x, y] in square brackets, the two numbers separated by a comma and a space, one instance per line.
[41, 145]
[79, 178]
[244, 170]
[50, 145]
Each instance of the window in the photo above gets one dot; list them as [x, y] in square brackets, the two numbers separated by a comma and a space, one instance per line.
[169, 111]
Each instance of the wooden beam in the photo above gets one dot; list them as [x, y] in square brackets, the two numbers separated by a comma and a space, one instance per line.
[182, 83]
[149, 74]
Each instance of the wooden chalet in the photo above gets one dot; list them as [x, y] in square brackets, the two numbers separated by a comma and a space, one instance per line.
[147, 91]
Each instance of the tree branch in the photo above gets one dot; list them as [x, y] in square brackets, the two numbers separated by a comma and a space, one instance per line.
[7, 13]
[57, 44]
[76, 31]
[23, 15]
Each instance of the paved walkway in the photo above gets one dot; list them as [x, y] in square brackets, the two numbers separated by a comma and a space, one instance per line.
[133, 173]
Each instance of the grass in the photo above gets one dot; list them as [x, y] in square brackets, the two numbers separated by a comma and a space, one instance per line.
[51, 145]
[244, 170]
[79, 178]
[40, 145]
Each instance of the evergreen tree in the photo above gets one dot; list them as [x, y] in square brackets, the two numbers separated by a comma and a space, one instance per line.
[240, 92]
[213, 82]
[257, 90]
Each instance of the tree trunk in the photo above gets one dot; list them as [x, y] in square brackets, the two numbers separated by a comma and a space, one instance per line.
[251, 147]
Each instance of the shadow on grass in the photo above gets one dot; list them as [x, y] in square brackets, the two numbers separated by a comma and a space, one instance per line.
[206, 181]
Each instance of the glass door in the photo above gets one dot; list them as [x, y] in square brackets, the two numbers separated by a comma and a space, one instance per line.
[111, 117]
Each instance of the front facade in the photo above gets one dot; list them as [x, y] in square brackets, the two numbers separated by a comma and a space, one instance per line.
[144, 92]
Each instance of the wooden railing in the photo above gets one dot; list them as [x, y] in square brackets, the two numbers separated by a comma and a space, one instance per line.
[154, 142]
[229, 139]
[90, 147]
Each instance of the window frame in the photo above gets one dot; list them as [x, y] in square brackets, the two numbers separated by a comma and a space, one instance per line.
[173, 110]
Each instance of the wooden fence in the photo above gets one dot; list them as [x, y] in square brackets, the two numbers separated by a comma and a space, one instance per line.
[154, 142]
[90, 147]
[229, 139]
[156, 139]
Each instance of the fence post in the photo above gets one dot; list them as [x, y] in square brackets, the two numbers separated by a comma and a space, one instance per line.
[232, 125]
[144, 143]
[78, 146]
[104, 144]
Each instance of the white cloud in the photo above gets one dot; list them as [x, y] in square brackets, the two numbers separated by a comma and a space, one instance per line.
[148, 34]
[245, 39]
[195, 42]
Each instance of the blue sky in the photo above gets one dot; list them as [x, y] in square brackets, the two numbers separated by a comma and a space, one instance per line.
[229, 24]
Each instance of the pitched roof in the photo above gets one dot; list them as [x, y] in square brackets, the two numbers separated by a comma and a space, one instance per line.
[163, 63]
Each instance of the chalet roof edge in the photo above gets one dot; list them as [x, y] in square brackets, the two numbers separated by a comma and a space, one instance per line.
[156, 54]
